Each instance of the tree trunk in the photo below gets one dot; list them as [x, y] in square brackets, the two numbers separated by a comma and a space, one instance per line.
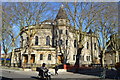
[116, 56]
[5, 60]
[103, 57]
[77, 63]
[78, 57]
[12, 59]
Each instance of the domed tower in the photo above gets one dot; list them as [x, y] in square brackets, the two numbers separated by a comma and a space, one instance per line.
[62, 18]
[61, 32]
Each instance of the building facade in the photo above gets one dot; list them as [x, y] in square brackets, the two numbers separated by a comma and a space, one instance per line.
[112, 55]
[54, 42]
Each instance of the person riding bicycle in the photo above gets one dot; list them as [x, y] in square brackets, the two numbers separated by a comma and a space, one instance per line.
[43, 70]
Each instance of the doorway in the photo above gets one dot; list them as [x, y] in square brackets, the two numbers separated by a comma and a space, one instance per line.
[32, 58]
[25, 58]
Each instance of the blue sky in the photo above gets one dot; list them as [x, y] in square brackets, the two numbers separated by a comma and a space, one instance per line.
[60, 0]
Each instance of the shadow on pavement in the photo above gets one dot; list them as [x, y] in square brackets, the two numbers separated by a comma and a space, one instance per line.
[37, 78]
[34, 77]
[4, 78]
[109, 73]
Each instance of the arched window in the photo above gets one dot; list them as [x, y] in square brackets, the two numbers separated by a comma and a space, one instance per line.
[41, 56]
[36, 40]
[49, 56]
[47, 40]
[95, 46]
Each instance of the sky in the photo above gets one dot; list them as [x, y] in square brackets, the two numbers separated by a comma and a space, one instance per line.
[60, 0]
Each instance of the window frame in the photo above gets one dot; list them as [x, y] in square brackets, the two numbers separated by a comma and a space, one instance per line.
[48, 41]
[49, 57]
[88, 58]
[36, 40]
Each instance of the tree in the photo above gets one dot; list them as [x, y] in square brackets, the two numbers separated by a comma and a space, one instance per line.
[83, 16]
[25, 16]
[106, 25]
[6, 33]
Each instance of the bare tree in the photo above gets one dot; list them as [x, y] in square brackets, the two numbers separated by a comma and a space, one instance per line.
[24, 16]
[82, 16]
[6, 32]
[106, 26]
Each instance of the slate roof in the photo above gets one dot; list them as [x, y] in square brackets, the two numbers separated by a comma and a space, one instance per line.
[61, 13]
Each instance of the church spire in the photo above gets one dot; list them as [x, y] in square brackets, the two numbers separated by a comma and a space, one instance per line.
[62, 13]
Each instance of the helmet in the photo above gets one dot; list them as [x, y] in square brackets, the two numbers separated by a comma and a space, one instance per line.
[43, 64]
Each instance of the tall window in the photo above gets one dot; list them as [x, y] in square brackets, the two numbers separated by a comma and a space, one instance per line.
[60, 31]
[47, 40]
[88, 58]
[60, 42]
[56, 32]
[41, 56]
[49, 56]
[87, 45]
[75, 43]
[27, 38]
[55, 43]
[95, 46]
[74, 57]
[36, 40]
[66, 32]
[66, 42]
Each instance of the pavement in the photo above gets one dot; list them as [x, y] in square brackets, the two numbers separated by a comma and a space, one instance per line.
[60, 75]
[63, 75]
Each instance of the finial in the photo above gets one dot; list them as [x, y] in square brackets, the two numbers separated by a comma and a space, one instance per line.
[62, 6]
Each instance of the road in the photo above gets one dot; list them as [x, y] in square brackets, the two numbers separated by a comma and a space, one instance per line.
[32, 75]
[15, 74]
